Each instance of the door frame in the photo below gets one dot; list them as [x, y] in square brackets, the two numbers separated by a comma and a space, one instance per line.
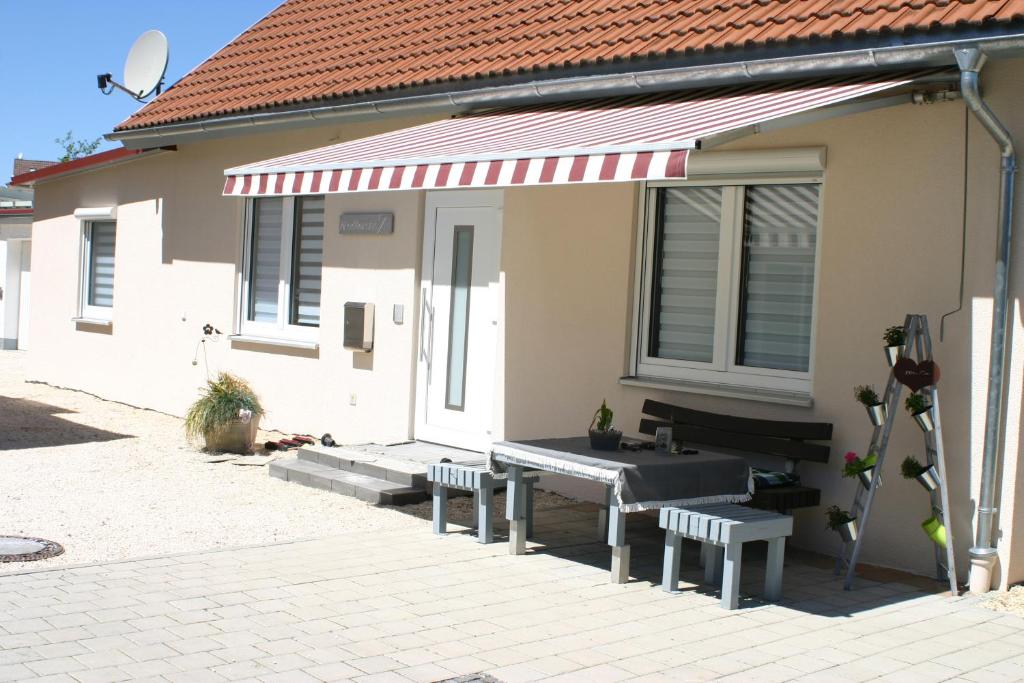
[457, 199]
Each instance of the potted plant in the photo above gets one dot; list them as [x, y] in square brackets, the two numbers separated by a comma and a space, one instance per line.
[604, 436]
[926, 475]
[895, 343]
[919, 409]
[868, 397]
[935, 530]
[840, 521]
[863, 469]
[227, 415]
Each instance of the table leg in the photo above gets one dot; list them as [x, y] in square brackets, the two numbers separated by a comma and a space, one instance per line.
[670, 570]
[602, 515]
[617, 540]
[514, 511]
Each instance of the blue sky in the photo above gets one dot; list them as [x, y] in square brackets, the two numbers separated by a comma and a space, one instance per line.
[51, 51]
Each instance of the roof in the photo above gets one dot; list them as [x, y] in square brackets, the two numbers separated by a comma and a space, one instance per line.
[28, 165]
[87, 163]
[307, 52]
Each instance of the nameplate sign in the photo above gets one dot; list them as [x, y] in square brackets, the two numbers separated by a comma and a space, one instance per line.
[367, 223]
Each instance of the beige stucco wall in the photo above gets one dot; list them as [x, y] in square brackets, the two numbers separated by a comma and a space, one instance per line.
[890, 245]
[890, 241]
[177, 261]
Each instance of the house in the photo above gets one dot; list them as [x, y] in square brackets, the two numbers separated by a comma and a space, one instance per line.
[16, 258]
[718, 205]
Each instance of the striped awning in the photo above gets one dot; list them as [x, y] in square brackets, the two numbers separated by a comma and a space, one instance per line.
[609, 140]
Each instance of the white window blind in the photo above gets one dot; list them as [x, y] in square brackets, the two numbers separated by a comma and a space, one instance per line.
[686, 284]
[779, 242]
[308, 246]
[265, 274]
[101, 264]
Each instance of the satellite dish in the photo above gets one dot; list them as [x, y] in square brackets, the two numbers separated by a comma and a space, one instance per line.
[146, 64]
[143, 69]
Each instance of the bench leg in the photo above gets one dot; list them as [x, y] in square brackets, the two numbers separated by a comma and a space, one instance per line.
[773, 569]
[440, 509]
[731, 576]
[617, 540]
[712, 555]
[484, 516]
[514, 511]
[670, 570]
[475, 523]
[705, 548]
[528, 487]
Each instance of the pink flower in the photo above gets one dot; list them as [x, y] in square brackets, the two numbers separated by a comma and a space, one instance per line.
[850, 457]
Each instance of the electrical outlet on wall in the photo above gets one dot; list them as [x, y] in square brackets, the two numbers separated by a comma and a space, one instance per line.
[351, 399]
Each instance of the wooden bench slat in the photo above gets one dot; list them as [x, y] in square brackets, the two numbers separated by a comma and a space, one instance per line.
[765, 445]
[808, 431]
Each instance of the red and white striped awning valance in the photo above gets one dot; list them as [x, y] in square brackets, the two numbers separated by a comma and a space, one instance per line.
[610, 140]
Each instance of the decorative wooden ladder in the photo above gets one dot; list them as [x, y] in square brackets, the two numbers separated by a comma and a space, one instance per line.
[919, 344]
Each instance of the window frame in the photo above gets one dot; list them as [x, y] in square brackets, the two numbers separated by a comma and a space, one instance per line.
[283, 329]
[87, 311]
[723, 371]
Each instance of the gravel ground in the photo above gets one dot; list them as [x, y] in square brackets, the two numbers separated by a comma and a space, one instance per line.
[1011, 601]
[109, 481]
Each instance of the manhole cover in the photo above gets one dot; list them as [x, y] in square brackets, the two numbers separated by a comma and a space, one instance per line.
[23, 549]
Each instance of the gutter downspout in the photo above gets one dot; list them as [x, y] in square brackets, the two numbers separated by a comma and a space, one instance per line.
[983, 554]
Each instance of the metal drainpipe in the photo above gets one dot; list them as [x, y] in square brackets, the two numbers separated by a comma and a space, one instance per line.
[983, 554]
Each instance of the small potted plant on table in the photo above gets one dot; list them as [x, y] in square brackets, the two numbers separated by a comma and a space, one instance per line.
[603, 435]
[868, 397]
[927, 476]
[863, 469]
[227, 415]
[895, 343]
[918, 407]
[841, 522]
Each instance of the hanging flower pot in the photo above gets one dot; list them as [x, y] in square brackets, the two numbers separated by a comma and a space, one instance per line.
[865, 477]
[868, 397]
[878, 413]
[935, 530]
[842, 523]
[894, 353]
[919, 409]
[929, 479]
[895, 344]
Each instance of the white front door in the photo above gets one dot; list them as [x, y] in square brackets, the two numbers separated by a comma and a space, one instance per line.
[26, 274]
[459, 320]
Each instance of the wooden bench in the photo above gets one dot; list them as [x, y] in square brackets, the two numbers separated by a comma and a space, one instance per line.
[482, 483]
[791, 441]
[723, 529]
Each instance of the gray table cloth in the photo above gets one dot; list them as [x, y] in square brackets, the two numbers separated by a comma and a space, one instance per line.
[642, 480]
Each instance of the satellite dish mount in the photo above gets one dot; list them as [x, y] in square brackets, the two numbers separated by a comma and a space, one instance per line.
[143, 69]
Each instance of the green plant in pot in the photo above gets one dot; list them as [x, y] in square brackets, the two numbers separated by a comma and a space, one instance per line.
[918, 407]
[226, 415]
[868, 397]
[841, 522]
[861, 468]
[603, 435]
[895, 338]
[926, 475]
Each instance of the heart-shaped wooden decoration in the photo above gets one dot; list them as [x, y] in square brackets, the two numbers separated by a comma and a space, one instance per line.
[916, 376]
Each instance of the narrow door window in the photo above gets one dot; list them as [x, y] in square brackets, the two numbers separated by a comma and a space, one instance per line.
[458, 328]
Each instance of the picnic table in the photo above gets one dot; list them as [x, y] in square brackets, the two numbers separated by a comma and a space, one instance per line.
[634, 481]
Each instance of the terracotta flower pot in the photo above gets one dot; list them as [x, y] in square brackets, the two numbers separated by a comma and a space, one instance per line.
[234, 437]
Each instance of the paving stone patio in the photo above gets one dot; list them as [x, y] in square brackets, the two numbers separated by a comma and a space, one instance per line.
[404, 605]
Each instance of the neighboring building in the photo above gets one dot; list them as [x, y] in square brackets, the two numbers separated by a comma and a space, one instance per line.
[16, 259]
[736, 237]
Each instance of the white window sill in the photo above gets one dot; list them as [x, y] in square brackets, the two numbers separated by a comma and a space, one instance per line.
[792, 398]
[104, 322]
[275, 341]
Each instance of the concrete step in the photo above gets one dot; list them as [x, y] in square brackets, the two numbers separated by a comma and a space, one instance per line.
[346, 482]
[396, 471]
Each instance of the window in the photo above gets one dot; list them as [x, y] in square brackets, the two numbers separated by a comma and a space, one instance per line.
[283, 263]
[727, 285]
[97, 270]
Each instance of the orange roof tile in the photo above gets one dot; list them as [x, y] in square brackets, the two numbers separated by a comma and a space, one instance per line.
[310, 51]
